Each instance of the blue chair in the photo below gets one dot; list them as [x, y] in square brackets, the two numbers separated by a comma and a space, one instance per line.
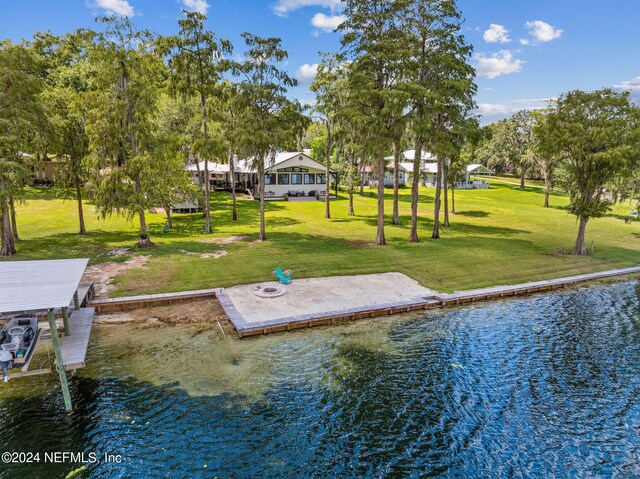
[283, 278]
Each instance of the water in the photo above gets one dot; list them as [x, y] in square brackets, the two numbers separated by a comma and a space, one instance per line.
[547, 386]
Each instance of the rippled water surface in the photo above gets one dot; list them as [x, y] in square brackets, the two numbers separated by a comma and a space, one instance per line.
[547, 386]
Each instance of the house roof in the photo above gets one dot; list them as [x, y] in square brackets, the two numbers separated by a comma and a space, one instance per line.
[241, 166]
[245, 165]
[476, 168]
[39, 285]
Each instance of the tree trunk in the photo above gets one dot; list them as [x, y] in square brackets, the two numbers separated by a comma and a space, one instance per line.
[14, 223]
[581, 248]
[415, 194]
[8, 245]
[167, 211]
[351, 210]
[327, 154]
[436, 213]
[523, 172]
[83, 230]
[453, 199]
[396, 183]
[232, 171]
[445, 180]
[200, 181]
[144, 240]
[263, 232]
[207, 199]
[361, 169]
[546, 194]
[380, 239]
[207, 185]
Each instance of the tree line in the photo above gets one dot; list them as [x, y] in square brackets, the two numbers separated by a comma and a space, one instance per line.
[587, 143]
[127, 110]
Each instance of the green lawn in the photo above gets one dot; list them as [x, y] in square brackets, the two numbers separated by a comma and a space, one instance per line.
[501, 235]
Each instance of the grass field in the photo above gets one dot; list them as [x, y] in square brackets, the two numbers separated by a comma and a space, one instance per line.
[498, 236]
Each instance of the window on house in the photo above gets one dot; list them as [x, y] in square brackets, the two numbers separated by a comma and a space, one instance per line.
[270, 179]
[321, 179]
[296, 179]
[283, 179]
[309, 179]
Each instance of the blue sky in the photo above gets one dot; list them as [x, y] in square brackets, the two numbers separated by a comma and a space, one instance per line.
[525, 51]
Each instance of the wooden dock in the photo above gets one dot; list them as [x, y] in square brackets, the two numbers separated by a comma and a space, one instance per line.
[246, 328]
[74, 346]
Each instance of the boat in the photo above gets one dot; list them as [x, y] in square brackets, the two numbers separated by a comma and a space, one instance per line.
[18, 341]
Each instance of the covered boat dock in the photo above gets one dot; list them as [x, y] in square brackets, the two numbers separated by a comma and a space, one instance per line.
[51, 288]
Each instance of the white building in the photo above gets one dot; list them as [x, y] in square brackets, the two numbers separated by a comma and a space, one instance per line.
[287, 173]
[475, 176]
[295, 174]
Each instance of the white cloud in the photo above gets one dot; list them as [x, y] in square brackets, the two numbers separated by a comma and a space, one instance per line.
[525, 42]
[630, 85]
[327, 23]
[496, 111]
[200, 6]
[633, 86]
[283, 7]
[542, 32]
[307, 73]
[496, 34]
[500, 63]
[114, 7]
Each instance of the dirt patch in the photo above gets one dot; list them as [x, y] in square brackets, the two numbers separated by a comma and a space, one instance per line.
[101, 275]
[204, 314]
[216, 255]
[223, 241]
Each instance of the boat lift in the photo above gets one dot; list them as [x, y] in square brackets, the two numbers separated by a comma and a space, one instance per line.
[49, 288]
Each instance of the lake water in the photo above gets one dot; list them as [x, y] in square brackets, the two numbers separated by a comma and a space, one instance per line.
[546, 386]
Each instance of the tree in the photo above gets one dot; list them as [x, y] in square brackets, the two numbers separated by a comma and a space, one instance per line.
[442, 87]
[327, 86]
[229, 112]
[543, 158]
[197, 63]
[124, 170]
[68, 77]
[595, 133]
[173, 183]
[20, 115]
[266, 117]
[375, 44]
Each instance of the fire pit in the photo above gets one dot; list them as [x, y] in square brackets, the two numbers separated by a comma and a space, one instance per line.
[270, 291]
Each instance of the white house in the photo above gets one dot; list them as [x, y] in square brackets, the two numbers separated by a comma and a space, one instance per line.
[294, 174]
[370, 176]
[428, 163]
[286, 173]
[245, 177]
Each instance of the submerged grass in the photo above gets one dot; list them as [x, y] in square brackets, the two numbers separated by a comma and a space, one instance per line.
[498, 236]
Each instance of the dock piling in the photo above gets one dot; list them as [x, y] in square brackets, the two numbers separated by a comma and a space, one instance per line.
[59, 363]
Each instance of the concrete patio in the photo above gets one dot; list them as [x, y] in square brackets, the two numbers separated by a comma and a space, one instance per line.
[321, 295]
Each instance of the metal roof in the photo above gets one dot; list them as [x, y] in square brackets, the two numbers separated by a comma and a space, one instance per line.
[39, 285]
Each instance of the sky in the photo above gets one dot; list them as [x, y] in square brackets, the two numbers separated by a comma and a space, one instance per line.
[525, 52]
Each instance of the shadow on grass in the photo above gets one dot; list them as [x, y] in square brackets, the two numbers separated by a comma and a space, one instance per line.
[73, 245]
[457, 227]
[473, 213]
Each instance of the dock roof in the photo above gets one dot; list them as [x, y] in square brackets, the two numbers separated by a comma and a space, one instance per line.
[39, 285]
